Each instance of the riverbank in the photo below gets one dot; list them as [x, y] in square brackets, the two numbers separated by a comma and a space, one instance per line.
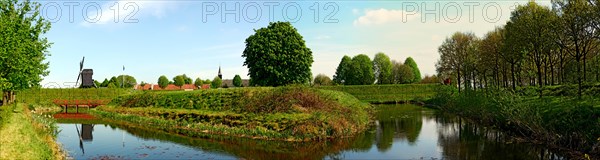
[282, 113]
[388, 94]
[560, 122]
[27, 134]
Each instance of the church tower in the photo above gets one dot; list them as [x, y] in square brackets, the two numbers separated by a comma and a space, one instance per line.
[220, 75]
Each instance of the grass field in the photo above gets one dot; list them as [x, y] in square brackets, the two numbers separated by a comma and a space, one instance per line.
[26, 135]
[46, 96]
[282, 113]
[387, 93]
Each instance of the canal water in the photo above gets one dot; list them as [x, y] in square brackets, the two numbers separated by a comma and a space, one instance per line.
[400, 132]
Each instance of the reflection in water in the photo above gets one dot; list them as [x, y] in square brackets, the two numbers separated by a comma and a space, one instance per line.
[84, 135]
[400, 132]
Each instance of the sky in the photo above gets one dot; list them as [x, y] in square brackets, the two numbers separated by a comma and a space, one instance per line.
[153, 38]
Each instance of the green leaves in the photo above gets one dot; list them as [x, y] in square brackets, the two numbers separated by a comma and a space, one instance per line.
[163, 81]
[22, 47]
[216, 83]
[277, 55]
[237, 81]
[415, 69]
[383, 68]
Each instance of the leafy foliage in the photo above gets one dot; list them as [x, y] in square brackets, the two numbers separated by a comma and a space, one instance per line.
[216, 82]
[277, 55]
[237, 81]
[322, 80]
[383, 68]
[128, 80]
[402, 74]
[342, 71]
[415, 69]
[23, 48]
[163, 81]
[179, 81]
[361, 72]
[198, 82]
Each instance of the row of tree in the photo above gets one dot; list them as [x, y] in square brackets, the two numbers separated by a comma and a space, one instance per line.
[360, 70]
[127, 81]
[121, 81]
[538, 46]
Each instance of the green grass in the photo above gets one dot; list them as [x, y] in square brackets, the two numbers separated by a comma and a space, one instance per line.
[283, 113]
[26, 135]
[387, 93]
[558, 121]
[46, 96]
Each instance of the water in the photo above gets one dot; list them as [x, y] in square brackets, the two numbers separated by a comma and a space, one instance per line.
[401, 132]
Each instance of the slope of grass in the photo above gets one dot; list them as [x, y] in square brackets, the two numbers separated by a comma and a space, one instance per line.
[24, 136]
[283, 113]
[387, 93]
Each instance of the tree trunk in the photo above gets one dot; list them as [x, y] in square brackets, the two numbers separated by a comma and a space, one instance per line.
[4, 97]
[458, 78]
[551, 72]
[539, 75]
[578, 76]
[512, 69]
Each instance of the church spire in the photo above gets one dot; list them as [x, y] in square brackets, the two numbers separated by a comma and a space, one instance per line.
[220, 75]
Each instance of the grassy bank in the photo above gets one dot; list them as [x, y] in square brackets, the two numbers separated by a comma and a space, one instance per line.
[562, 122]
[26, 134]
[387, 93]
[45, 96]
[283, 113]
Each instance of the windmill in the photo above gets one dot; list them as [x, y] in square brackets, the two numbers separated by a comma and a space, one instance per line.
[86, 76]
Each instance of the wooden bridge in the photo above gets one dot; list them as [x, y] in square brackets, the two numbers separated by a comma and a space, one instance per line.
[79, 103]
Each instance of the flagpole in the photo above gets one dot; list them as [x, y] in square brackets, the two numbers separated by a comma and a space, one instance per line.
[123, 82]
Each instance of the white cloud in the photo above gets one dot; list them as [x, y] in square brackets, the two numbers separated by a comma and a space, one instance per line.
[384, 16]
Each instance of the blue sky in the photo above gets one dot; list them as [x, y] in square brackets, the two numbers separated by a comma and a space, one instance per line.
[154, 38]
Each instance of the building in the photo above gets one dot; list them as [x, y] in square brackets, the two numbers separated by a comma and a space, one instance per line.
[227, 83]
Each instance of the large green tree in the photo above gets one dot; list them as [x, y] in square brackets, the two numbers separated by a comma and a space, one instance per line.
[578, 32]
[530, 30]
[383, 68]
[23, 47]
[410, 62]
[198, 82]
[163, 81]
[342, 70]
[216, 82]
[179, 80]
[187, 79]
[453, 56]
[125, 81]
[361, 72]
[322, 80]
[277, 55]
[104, 83]
[402, 74]
[237, 81]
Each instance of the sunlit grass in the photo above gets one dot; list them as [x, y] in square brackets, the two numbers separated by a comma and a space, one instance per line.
[24, 138]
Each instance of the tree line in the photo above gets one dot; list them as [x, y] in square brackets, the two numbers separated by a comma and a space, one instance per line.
[127, 81]
[360, 70]
[538, 46]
